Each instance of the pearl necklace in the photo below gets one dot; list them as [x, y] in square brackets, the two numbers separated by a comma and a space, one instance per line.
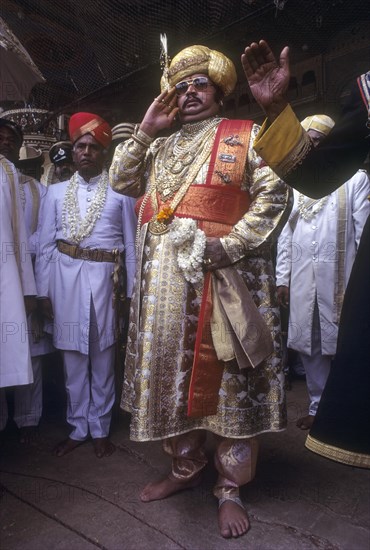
[179, 153]
[309, 208]
[80, 228]
[175, 188]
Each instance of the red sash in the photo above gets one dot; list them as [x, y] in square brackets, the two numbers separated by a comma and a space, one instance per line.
[207, 370]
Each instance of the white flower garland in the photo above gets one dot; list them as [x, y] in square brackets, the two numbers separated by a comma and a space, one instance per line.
[75, 228]
[191, 244]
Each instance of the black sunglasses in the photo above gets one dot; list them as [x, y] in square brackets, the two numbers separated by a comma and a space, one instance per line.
[200, 83]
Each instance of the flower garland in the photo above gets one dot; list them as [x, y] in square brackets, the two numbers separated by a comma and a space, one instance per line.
[80, 228]
[164, 215]
[190, 243]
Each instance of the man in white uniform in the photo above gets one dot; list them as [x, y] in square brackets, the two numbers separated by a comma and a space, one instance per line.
[85, 228]
[316, 251]
[27, 398]
[17, 286]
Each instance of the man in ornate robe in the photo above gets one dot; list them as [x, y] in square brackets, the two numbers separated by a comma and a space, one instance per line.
[175, 386]
[86, 251]
[341, 427]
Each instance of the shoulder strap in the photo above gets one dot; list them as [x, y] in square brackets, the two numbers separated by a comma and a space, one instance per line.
[341, 251]
[229, 153]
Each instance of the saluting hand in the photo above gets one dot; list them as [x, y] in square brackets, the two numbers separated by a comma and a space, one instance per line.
[161, 113]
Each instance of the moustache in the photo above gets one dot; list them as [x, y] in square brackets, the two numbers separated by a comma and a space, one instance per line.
[191, 98]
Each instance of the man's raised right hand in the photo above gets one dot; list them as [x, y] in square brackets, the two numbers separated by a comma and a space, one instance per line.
[268, 79]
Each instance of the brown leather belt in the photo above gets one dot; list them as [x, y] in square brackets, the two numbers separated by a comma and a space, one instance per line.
[92, 254]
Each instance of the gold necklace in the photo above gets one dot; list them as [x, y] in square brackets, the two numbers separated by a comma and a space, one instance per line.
[179, 153]
[159, 224]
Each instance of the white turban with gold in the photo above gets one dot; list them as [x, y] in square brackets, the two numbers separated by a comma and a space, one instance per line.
[320, 123]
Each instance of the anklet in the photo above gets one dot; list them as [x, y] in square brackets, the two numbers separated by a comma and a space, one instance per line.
[233, 499]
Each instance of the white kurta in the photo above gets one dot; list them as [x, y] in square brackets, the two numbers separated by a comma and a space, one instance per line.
[307, 263]
[70, 283]
[31, 205]
[15, 360]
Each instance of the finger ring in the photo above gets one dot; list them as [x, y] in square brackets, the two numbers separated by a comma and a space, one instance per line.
[207, 261]
[163, 101]
[156, 99]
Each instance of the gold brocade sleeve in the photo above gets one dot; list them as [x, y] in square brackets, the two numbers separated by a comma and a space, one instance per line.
[129, 166]
[269, 210]
[284, 143]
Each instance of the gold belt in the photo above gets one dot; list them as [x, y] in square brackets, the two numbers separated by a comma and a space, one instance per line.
[92, 254]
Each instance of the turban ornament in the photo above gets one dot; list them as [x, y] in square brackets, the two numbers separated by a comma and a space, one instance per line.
[165, 62]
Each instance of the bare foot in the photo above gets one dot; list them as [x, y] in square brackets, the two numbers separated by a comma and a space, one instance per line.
[28, 434]
[103, 447]
[305, 423]
[166, 487]
[66, 446]
[232, 519]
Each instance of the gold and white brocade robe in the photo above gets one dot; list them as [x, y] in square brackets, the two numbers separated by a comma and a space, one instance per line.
[165, 307]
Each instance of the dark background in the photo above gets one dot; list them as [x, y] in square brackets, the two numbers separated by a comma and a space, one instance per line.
[103, 55]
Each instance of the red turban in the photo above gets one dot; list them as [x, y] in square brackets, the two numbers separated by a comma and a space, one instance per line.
[88, 123]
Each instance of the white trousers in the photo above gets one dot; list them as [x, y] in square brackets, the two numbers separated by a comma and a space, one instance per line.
[90, 388]
[316, 366]
[27, 400]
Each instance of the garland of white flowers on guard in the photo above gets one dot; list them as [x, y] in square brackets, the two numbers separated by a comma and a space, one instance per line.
[80, 228]
[191, 244]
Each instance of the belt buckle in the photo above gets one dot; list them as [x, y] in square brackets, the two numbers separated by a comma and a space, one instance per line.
[85, 254]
